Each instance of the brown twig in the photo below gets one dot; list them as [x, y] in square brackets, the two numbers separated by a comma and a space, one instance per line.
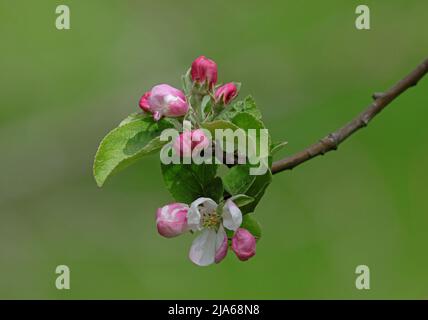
[332, 141]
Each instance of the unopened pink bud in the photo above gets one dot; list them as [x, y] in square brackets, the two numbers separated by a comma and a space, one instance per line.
[164, 101]
[204, 70]
[187, 141]
[171, 220]
[244, 244]
[144, 102]
[226, 93]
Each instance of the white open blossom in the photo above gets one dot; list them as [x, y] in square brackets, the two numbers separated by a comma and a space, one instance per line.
[203, 216]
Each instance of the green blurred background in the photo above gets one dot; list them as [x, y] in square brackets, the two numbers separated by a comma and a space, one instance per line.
[310, 71]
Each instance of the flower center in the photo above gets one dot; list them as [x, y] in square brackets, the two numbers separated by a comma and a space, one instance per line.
[210, 220]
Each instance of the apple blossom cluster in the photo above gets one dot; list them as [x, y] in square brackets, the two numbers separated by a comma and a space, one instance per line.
[216, 205]
[204, 215]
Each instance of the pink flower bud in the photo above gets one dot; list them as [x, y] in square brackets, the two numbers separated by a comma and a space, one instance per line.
[164, 101]
[243, 244]
[226, 93]
[204, 69]
[189, 140]
[171, 220]
[144, 102]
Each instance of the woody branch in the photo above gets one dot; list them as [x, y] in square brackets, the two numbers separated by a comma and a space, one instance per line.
[332, 140]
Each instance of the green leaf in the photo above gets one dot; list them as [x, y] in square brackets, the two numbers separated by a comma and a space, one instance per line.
[247, 121]
[187, 82]
[205, 104]
[229, 233]
[248, 105]
[214, 190]
[176, 123]
[251, 224]
[218, 124]
[132, 117]
[275, 147]
[241, 200]
[257, 190]
[133, 139]
[239, 181]
[187, 182]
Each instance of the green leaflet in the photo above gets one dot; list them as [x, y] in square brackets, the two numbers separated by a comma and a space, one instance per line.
[187, 182]
[137, 136]
[246, 120]
[239, 181]
[251, 224]
[257, 190]
[205, 105]
[132, 117]
[218, 124]
[275, 147]
[187, 82]
[247, 105]
[241, 200]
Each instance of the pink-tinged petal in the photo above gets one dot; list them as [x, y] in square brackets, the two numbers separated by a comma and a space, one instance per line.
[232, 216]
[183, 144]
[226, 93]
[221, 245]
[204, 70]
[144, 102]
[244, 244]
[177, 107]
[157, 115]
[200, 139]
[171, 220]
[160, 91]
[202, 252]
[187, 141]
[168, 101]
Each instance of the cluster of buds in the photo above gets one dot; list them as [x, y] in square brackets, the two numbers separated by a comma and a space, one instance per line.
[203, 215]
[204, 73]
[166, 101]
[211, 220]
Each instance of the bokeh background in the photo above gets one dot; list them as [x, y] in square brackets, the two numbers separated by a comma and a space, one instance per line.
[310, 71]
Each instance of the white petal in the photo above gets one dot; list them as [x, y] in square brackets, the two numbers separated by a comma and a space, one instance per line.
[232, 216]
[202, 251]
[220, 237]
[194, 219]
[197, 208]
[207, 203]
